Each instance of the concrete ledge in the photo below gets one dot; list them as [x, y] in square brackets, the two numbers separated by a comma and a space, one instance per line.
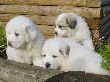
[17, 72]
[76, 76]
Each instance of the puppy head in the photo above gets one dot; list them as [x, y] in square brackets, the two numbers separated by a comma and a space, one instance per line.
[64, 23]
[54, 54]
[19, 31]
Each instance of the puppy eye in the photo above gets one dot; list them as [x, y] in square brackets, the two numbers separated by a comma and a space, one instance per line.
[16, 34]
[60, 27]
[54, 56]
[44, 55]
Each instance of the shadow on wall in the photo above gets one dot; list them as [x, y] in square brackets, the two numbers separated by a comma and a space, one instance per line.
[105, 21]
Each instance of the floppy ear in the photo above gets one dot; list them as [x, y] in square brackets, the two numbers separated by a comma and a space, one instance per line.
[65, 52]
[28, 29]
[71, 22]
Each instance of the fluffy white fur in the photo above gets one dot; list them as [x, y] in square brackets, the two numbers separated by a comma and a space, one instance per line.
[23, 40]
[67, 55]
[79, 30]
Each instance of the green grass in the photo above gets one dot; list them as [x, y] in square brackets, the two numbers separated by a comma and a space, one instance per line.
[105, 53]
[2, 43]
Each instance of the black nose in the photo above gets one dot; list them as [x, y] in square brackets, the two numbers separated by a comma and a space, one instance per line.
[56, 33]
[9, 43]
[47, 65]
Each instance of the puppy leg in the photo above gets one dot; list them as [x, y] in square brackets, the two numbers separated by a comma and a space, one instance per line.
[37, 62]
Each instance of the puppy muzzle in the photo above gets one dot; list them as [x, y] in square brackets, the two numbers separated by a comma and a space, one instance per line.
[9, 44]
[47, 65]
[56, 33]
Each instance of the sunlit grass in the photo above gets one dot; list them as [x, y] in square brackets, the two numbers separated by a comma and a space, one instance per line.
[105, 53]
[2, 43]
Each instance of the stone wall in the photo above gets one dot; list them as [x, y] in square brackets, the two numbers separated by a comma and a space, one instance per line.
[44, 12]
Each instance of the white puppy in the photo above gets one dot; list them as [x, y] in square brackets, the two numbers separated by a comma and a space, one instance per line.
[72, 26]
[23, 40]
[67, 55]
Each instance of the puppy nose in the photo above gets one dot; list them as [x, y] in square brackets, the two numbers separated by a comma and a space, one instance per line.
[56, 33]
[47, 65]
[9, 43]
